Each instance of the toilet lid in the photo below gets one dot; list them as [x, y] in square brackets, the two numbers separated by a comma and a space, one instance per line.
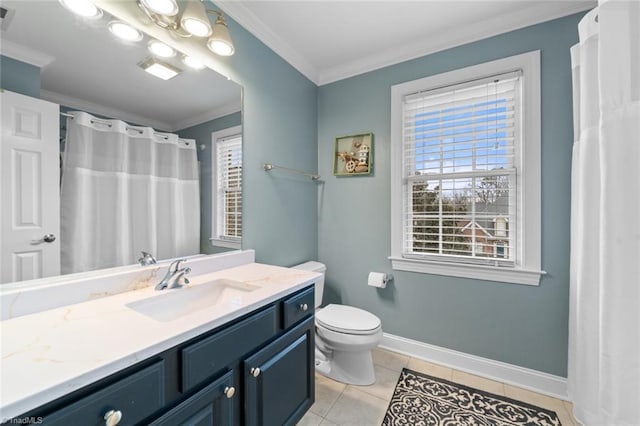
[347, 319]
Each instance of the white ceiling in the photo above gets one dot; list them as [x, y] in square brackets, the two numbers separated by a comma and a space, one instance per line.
[84, 66]
[331, 40]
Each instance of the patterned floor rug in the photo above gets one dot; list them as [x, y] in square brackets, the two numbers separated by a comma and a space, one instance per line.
[424, 400]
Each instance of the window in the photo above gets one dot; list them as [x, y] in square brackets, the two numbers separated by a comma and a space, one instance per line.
[227, 185]
[466, 172]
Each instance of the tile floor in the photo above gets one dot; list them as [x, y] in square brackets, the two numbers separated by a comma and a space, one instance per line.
[342, 405]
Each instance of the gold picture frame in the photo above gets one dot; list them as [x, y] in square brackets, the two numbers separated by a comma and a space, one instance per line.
[353, 155]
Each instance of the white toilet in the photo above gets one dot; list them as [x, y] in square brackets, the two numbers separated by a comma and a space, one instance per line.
[345, 337]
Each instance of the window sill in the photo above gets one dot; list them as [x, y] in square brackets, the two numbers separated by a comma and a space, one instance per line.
[225, 243]
[479, 272]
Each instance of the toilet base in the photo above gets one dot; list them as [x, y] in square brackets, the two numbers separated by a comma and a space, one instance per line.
[352, 368]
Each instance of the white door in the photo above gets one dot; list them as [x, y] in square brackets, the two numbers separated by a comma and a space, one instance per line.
[29, 188]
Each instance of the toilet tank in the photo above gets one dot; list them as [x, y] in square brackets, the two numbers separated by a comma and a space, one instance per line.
[319, 284]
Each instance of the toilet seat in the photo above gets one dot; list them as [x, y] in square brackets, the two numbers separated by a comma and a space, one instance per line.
[347, 319]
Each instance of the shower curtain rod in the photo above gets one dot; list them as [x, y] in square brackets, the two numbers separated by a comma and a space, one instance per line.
[106, 121]
[129, 127]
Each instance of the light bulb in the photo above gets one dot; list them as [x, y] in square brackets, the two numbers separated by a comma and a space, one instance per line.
[195, 27]
[220, 40]
[161, 7]
[195, 20]
[192, 62]
[220, 47]
[83, 8]
[124, 31]
[158, 48]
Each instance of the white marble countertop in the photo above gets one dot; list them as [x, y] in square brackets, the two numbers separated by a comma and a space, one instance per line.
[49, 354]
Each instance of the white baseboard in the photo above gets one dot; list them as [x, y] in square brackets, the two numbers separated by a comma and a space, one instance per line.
[537, 381]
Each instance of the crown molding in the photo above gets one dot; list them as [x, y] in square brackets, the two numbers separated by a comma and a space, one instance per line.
[25, 54]
[488, 28]
[104, 111]
[484, 29]
[252, 23]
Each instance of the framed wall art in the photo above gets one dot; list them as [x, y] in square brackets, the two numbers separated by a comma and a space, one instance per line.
[353, 155]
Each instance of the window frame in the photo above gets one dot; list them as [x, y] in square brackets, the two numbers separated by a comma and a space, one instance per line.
[527, 268]
[217, 239]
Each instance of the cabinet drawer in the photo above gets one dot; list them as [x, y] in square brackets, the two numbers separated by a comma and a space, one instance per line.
[207, 357]
[298, 307]
[136, 397]
[210, 406]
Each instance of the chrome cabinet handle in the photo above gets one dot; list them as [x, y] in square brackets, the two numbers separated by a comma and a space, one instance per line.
[112, 417]
[229, 392]
[48, 238]
[255, 372]
[303, 307]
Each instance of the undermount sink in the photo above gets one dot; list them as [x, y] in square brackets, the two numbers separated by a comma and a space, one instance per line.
[173, 304]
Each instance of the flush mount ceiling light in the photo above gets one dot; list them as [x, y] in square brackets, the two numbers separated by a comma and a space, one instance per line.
[83, 8]
[159, 69]
[158, 48]
[124, 31]
[193, 63]
[192, 22]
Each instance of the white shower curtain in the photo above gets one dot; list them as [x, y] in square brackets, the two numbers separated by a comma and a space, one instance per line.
[604, 325]
[126, 189]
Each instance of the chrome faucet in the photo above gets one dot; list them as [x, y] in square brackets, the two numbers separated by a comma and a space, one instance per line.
[173, 276]
[147, 259]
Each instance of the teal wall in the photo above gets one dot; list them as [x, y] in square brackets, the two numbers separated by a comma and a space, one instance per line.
[19, 77]
[279, 125]
[202, 134]
[517, 324]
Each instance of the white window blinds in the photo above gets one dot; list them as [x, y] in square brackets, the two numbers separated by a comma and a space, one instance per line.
[229, 188]
[460, 162]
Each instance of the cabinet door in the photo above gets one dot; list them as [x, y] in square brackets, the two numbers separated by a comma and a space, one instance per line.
[213, 405]
[279, 379]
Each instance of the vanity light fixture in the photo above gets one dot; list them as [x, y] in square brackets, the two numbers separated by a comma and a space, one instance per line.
[192, 22]
[84, 8]
[160, 49]
[159, 69]
[195, 20]
[124, 31]
[161, 7]
[220, 41]
[192, 62]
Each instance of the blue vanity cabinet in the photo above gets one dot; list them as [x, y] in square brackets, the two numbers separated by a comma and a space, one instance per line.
[279, 379]
[255, 370]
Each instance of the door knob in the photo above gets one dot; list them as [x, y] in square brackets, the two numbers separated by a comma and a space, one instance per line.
[48, 238]
[255, 372]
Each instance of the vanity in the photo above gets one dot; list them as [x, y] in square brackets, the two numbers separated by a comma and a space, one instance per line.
[234, 346]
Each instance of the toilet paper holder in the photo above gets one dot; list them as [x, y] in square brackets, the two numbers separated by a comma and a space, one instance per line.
[379, 279]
